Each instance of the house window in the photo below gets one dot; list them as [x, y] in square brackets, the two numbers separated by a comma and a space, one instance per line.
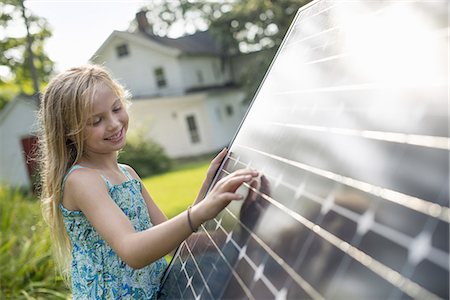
[199, 76]
[160, 77]
[229, 110]
[193, 129]
[122, 50]
[216, 70]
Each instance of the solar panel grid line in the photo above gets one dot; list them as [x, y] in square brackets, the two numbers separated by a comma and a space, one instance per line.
[347, 54]
[233, 272]
[307, 108]
[413, 203]
[358, 87]
[326, 59]
[413, 288]
[295, 43]
[326, 31]
[341, 210]
[255, 268]
[205, 283]
[302, 283]
[189, 282]
[437, 142]
[337, 88]
[177, 283]
[437, 256]
[405, 284]
[382, 230]
[336, 4]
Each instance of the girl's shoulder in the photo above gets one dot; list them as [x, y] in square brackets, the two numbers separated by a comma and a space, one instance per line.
[130, 170]
[80, 175]
[77, 183]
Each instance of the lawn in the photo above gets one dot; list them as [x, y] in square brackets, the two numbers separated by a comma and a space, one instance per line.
[174, 191]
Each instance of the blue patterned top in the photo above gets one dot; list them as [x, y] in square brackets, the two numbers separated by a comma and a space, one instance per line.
[97, 271]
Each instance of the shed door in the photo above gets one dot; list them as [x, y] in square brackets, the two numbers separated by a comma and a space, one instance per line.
[29, 147]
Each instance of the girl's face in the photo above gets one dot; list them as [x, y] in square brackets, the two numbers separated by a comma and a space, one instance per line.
[107, 125]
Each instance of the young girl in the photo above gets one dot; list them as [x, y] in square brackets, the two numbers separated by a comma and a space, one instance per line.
[99, 212]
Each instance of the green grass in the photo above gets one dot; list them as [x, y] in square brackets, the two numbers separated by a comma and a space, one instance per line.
[174, 191]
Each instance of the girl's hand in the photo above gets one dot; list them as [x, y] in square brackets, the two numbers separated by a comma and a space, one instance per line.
[213, 167]
[215, 164]
[221, 195]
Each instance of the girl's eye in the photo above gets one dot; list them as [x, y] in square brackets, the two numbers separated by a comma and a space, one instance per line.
[96, 121]
[117, 109]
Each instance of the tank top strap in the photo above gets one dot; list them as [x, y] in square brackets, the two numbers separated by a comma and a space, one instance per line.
[75, 167]
[125, 172]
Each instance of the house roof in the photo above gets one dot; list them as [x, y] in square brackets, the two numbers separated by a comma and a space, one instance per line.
[198, 43]
[19, 100]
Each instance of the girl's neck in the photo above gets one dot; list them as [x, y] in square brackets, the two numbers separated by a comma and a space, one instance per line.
[100, 162]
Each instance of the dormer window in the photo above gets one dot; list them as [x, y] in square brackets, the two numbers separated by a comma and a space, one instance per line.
[122, 50]
[229, 110]
[160, 77]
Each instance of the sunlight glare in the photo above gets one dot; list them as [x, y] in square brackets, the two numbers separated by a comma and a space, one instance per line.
[394, 46]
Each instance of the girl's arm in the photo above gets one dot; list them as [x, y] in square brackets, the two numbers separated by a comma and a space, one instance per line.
[138, 249]
[215, 164]
[156, 215]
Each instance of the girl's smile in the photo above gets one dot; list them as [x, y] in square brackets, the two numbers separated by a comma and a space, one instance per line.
[117, 137]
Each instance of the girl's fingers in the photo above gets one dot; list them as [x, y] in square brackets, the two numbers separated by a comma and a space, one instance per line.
[233, 183]
[215, 163]
[219, 157]
[228, 197]
[241, 172]
[236, 174]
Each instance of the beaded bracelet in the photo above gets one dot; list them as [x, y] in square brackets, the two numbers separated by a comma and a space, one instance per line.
[189, 219]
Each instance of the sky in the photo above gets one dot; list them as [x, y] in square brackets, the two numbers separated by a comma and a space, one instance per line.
[80, 27]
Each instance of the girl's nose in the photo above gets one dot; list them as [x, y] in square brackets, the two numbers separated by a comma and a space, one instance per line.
[113, 124]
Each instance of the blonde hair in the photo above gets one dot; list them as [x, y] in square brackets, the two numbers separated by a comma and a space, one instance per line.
[64, 109]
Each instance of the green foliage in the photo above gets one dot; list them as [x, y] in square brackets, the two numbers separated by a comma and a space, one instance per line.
[7, 92]
[27, 270]
[174, 191]
[16, 59]
[145, 156]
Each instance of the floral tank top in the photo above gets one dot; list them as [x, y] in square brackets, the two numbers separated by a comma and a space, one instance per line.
[97, 271]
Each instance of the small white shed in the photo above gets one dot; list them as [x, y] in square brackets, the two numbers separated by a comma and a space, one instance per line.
[17, 138]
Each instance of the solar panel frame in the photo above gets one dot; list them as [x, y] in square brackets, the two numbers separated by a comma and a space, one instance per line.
[366, 210]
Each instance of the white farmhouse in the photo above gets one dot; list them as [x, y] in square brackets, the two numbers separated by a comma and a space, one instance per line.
[183, 98]
[183, 92]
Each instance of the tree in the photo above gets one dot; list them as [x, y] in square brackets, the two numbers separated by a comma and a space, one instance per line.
[24, 65]
[239, 26]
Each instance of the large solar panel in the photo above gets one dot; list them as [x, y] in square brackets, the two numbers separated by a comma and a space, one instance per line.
[350, 130]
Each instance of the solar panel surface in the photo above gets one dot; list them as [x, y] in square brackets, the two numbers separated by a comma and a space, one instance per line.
[350, 130]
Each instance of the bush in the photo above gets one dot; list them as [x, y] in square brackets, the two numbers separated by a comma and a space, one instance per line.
[145, 156]
[27, 269]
